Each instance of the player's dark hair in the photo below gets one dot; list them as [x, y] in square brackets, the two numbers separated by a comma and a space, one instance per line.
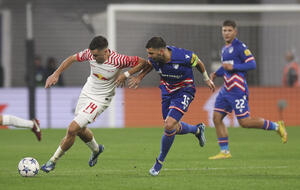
[156, 43]
[99, 42]
[229, 23]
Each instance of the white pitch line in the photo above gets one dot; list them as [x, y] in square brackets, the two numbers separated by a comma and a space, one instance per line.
[204, 169]
[232, 168]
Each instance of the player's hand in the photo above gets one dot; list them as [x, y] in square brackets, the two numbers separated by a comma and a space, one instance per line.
[227, 66]
[51, 80]
[134, 82]
[120, 82]
[211, 85]
[212, 76]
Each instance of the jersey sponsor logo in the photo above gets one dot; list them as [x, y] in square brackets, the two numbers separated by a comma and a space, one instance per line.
[231, 49]
[228, 62]
[171, 76]
[247, 52]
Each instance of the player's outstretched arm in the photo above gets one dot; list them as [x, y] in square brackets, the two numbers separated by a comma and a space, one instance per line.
[201, 68]
[135, 81]
[53, 79]
[120, 82]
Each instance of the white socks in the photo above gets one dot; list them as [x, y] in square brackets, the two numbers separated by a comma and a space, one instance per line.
[59, 153]
[16, 121]
[93, 145]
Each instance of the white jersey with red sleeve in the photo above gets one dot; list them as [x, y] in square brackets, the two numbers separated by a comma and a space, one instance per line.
[101, 82]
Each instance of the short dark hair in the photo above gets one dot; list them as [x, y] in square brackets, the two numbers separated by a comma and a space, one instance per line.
[98, 42]
[229, 23]
[156, 43]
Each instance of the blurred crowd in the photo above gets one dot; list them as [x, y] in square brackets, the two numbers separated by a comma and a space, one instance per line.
[43, 72]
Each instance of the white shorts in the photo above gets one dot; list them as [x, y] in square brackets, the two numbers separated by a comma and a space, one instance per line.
[87, 109]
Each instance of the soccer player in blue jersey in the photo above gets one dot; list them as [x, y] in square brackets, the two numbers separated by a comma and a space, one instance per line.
[236, 61]
[174, 65]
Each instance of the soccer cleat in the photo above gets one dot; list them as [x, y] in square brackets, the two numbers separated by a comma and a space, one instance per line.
[221, 155]
[282, 131]
[154, 171]
[94, 157]
[36, 129]
[49, 166]
[201, 135]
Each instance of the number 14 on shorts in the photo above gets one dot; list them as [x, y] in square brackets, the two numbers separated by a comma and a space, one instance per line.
[90, 108]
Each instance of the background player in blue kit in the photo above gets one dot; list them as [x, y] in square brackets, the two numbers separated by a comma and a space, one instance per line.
[236, 61]
[174, 65]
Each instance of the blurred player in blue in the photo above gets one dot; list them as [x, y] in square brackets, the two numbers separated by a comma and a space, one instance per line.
[174, 65]
[236, 61]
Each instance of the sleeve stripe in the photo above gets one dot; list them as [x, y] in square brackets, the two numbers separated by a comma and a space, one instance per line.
[249, 59]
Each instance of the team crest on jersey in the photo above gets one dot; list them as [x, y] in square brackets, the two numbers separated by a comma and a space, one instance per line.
[247, 52]
[187, 56]
[175, 66]
[230, 49]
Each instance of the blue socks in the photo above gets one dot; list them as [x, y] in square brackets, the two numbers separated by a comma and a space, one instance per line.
[269, 125]
[169, 136]
[187, 128]
[166, 143]
[223, 143]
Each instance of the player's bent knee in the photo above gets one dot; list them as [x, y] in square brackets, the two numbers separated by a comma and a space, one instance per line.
[73, 129]
[170, 125]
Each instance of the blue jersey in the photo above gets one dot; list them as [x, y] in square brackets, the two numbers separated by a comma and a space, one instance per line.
[177, 73]
[234, 94]
[242, 59]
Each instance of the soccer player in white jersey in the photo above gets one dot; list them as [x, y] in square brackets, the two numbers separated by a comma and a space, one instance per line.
[17, 122]
[95, 96]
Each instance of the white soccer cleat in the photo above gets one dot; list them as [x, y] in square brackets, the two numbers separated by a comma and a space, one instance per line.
[153, 172]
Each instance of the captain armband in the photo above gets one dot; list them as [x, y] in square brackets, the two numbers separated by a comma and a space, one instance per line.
[194, 60]
[205, 76]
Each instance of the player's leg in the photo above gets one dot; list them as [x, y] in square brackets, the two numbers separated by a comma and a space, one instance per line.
[167, 140]
[260, 123]
[87, 136]
[66, 143]
[222, 108]
[87, 111]
[173, 109]
[18, 122]
[198, 130]
[222, 135]
[241, 109]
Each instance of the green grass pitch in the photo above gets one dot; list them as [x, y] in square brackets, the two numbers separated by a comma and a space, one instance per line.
[260, 161]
